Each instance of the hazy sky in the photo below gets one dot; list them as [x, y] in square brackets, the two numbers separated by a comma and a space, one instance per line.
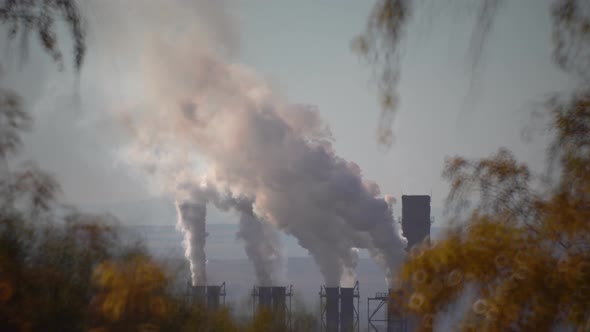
[303, 48]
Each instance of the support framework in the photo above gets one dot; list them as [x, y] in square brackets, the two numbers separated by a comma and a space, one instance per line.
[276, 299]
[212, 296]
[338, 312]
[383, 314]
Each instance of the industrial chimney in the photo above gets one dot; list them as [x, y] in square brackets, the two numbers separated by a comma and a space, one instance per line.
[385, 313]
[338, 310]
[332, 309]
[383, 309]
[415, 218]
[212, 296]
[274, 299]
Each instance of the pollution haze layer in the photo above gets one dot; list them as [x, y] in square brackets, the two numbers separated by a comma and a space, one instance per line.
[164, 241]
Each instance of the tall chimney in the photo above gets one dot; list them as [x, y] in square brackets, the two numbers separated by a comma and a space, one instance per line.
[264, 297]
[213, 294]
[415, 218]
[346, 309]
[332, 314]
[279, 305]
[198, 295]
[279, 298]
[211, 297]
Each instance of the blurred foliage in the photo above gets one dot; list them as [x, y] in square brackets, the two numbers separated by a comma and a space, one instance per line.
[132, 288]
[524, 249]
[24, 17]
[521, 242]
[381, 44]
[571, 36]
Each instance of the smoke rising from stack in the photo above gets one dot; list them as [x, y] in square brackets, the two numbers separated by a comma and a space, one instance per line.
[195, 111]
[191, 222]
[262, 245]
[261, 240]
[191, 209]
[348, 277]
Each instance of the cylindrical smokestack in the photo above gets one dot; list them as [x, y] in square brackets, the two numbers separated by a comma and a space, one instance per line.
[264, 298]
[415, 218]
[332, 314]
[279, 305]
[213, 294]
[392, 313]
[279, 298]
[198, 295]
[346, 309]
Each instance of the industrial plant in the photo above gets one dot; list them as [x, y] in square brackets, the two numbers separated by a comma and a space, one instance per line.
[340, 307]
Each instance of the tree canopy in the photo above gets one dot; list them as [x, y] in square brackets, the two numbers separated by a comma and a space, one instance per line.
[522, 253]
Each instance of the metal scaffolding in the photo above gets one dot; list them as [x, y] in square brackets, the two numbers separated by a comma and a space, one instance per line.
[212, 296]
[275, 299]
[337, 310]
[385, 312]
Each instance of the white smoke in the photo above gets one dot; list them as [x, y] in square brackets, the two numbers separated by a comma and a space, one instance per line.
[194, 112]
[191, 201]
[349, 274]
[191, 222]
[261, 240]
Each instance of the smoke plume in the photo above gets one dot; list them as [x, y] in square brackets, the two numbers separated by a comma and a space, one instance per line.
[191, 222]
[262, 245]
[261, 240]
[191, 207]
[196, 112]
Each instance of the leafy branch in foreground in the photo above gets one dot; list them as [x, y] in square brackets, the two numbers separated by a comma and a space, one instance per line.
[40, 17]
[524, 255]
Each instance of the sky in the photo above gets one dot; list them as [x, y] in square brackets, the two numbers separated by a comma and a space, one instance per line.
[303, 49]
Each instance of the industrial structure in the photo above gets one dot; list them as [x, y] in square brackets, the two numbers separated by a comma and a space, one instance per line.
[383, 314]
[212, 296]
[277, 300]
[339, 306]
[338, 312]
[416, 218]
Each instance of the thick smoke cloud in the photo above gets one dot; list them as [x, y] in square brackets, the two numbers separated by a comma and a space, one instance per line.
[192, 112]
